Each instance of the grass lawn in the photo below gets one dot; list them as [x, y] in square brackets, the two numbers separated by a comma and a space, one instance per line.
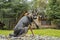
[43, 32]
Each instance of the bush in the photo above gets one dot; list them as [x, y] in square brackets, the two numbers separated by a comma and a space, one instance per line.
[57, 22]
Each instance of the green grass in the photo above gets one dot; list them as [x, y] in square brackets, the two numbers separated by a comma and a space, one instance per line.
[46, 32]
[43, 32]
[5, 32]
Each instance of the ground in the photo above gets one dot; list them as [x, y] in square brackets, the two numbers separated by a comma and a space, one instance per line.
[43, 32]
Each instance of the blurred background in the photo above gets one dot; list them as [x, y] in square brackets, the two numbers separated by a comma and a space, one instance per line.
[46, 12]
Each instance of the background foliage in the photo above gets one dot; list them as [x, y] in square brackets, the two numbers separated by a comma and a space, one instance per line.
[53, 11]
[11, 10]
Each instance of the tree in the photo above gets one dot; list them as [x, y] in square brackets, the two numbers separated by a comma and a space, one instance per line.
[53, 11]
[39, 5]
[11, 10]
